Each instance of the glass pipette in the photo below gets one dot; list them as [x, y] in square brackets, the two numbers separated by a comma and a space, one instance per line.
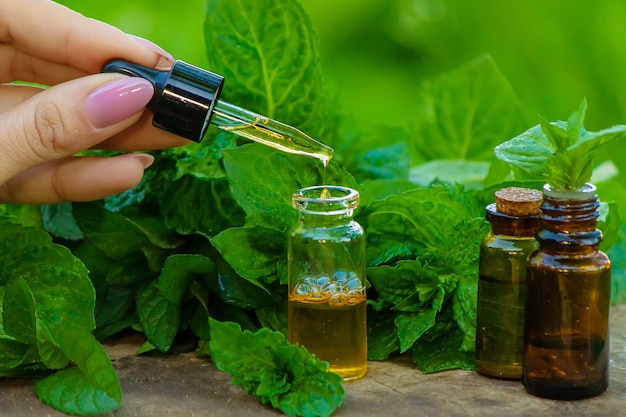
[186, 100]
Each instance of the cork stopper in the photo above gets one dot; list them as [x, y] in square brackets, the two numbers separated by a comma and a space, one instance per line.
[516, 201]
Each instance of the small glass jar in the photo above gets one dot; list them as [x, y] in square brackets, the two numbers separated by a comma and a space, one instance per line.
[566, 346]
[514, 219]
[326, 269]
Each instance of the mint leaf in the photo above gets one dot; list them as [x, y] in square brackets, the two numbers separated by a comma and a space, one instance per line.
[466, 112]
[19, 319]
[158, 316]
[180, 202]
[24, 214]
[159, 304]
[562, 153]
[471, 174]
[112, 233]
[200, 160]
[414, 223]
[443, 353]
[274, 69]
[58, 219]
[374, 152]
[91, 387]
[408, 286]
[426, 241]
[48, 304]
[252, 252]
[263, 180]
[179, 271]
[237, 291]
[266, 365]
[464, 310]
[382, 336]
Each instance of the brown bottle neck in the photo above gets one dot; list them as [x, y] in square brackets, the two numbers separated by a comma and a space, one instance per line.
[569, 223]
[517, 226]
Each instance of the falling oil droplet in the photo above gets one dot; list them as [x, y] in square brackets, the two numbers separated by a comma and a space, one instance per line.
[325, 194]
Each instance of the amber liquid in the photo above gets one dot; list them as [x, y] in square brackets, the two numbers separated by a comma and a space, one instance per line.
[576, 369]
[499, 342]
[335, 334]
[566, 343]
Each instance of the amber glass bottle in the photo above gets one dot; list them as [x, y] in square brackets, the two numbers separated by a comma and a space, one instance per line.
[566, 347]
[514, 219]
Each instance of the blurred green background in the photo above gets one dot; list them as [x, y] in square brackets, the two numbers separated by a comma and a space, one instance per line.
[375, 53]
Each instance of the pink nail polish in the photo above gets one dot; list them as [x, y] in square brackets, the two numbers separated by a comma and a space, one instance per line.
[118, 100]
[166, 58]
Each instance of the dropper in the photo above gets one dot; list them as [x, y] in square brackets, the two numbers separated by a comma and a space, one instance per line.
[187, 99]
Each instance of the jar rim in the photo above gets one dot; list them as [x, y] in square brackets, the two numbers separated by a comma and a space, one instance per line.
[340, 199]
[588, 190]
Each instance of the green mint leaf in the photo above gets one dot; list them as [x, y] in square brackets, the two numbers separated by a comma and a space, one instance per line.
[413, 223]
[180, 202]
[237, 291]
[159, 317]
[380, 189]
[408, 286]
[274, 69]
[609, 223]
[382, 336]
[159, 304]
[562, 153]
[266, 365]
[57, 280]
[374, 152]
[91, 387]
[411, 326]
[19, 313]
[24, 214]
[529, 151]
[466, 112]
[48, 302]
[112, 233]
[557, 134]
[179, 271]
[252, 252]
[443, 353]
[58, 219]
[464, 310]
[471, 174]
[575, 123]
[263, 179]
[200, 160]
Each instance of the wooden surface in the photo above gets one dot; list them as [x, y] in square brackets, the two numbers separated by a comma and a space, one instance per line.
[184, 386]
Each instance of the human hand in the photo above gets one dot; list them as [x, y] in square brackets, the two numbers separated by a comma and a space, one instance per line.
[41, 129]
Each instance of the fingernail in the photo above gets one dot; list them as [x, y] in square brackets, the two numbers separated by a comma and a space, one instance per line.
[118, 100]
[145, 158]
[166, 59]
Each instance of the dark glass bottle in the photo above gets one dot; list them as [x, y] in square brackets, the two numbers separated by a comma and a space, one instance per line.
[566, 346]
[514, 219]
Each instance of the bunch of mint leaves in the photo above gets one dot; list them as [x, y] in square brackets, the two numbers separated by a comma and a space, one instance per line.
[561, 152]
[194, 257]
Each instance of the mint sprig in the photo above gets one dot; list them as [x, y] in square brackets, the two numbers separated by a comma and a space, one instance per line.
[560, 152]
[265, 364]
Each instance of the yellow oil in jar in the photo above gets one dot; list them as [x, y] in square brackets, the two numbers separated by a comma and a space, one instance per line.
[333, 327]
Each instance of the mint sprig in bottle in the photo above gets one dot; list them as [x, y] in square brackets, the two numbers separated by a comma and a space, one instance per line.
[566, 346]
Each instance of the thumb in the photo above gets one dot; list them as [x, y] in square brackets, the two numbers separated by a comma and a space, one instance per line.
[68, 118]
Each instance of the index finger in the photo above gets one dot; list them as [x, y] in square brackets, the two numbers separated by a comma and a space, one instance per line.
[48, 30]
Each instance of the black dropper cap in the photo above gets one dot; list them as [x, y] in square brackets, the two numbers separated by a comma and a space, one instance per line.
[184, 96]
